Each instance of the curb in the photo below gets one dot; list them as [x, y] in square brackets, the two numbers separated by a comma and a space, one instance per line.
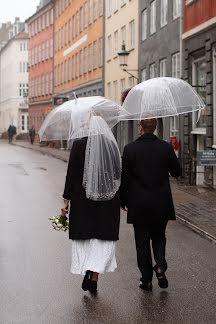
[196, 229]
[44, 153]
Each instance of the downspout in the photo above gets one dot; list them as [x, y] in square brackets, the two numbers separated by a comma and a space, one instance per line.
[103, 41]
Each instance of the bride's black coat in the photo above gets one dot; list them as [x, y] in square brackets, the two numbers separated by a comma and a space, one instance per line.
[88, 219]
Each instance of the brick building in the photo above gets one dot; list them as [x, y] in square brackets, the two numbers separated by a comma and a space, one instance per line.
[78, 48]
[199, 68]
[40, 27]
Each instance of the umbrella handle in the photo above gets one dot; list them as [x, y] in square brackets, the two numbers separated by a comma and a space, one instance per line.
[74, 93]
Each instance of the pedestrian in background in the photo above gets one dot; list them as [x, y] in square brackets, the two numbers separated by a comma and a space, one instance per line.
[32, 134]
[146, 195]
[11, 133]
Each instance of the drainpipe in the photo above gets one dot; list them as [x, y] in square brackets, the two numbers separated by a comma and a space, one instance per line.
[103, 67]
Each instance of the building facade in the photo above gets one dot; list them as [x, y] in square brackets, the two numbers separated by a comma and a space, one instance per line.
[40, 27]
[78, 48]
[14, 80]
[160, 49]
[121, 27]
[199, 41]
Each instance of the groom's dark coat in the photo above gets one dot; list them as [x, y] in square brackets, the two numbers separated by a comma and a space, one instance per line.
[145, 187]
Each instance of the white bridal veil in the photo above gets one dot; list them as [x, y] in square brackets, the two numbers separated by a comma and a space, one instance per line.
[102, 170]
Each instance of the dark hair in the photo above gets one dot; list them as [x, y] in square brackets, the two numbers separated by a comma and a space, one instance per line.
[149, 125]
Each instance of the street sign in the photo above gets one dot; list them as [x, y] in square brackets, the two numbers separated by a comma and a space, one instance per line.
[206, 158]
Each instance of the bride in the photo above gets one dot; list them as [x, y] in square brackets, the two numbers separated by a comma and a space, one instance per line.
[91, 192]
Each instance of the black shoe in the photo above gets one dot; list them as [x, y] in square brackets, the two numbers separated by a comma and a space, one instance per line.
[162, 280]
[146, 286]
[87, 280]
[93, 287]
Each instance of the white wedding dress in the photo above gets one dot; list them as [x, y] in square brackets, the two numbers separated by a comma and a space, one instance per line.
[93, 254]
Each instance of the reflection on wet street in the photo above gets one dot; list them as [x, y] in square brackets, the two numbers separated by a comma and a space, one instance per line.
[36, 285]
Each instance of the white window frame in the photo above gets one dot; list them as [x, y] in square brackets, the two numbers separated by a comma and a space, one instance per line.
[115, 90]
[116, 43]
[47, 19]
[176, 65]
[47, 84]
[152, 70]
[47, 49]
[81, 19]
[116, 5]
[109, 47]
[101, 8]
[95, 9]
[77, 65]
[176, 8]
[85, 60]
[123, 87]
[109, 8]
[89, 57]
[101, 52]
[164, 12]
[143, 75]
[144, 25]
[163, 68]
[73, 26]
[73, 67]
[69, 31]
[90, 12]
[123, 34]
[85, 14]
[69, 69]
[95, 55]
[109, 90]
[51, 47]
[132, 34]
[153, 17]
[80, 62]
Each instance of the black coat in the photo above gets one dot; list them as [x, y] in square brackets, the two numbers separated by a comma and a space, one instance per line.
[145, 188]
[88, 219]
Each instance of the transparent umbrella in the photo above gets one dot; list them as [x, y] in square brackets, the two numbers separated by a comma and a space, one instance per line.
[160, 97]
[71, 120]
[93, 118]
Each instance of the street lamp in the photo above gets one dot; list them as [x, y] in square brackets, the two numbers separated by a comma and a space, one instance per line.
[123, 59]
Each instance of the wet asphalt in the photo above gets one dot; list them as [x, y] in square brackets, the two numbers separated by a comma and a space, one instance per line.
[36, 285]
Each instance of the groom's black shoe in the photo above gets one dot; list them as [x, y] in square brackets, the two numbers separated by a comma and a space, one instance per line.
[146, 286]
[162, 280]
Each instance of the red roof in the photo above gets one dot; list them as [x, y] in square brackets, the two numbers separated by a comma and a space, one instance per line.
[21, 34]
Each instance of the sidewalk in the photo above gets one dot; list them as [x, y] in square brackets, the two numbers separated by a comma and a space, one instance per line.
[195, 207]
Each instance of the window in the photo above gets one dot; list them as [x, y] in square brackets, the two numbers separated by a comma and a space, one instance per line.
[81, 19]
[59, 39]
[47, 83]
[116, 43]
[43, 22]
[55, 76]
[101, 52]
[66, 3]
[56, 41]
[90, 12]
[51, 47]
[29, 58]
[20, 91]
[66, 33]
[47, 19]
[116, 5]
[63, 5]
[80, 64]
[69, 31]
[153, 17]
[85, 15]
[95, 9]
[69, 69]
[62, 36]
[163, 64]
[90, 57]
[43, 51]
[144, 24]
[131, 28]
[59, 74]
[101, 7]
[73, 67]
[109, 54]
[39, 24]
[62, 73]
[42, 85]
[39, 86]
[176, 65]
[23, 67]
[176, 8]
[65, 71]
[32, 27]
[123, 2]
[60, 8]
[143, 74]
[47, 49]
[173, 125]
[35, 26]
[152, 71]
[131, 82]
[115, 88]
[109, 8]
[56, 8]
[122, 85]
[164, 8]
[109, 90]
[77, 65]
[36, 57]
[52, 16]
[85, 60]
[73, 24]
[32, 57]
[123, 34]
[95, 55]
[77, 23]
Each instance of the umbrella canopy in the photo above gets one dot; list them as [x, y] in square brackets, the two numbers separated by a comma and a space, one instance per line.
[71, 120]
[160, 97]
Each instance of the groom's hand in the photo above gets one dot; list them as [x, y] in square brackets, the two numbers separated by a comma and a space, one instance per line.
[124, 208]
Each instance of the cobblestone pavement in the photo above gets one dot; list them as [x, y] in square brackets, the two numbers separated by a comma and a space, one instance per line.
[195, 206]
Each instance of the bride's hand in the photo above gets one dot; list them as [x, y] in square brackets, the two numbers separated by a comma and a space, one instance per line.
[64, 209]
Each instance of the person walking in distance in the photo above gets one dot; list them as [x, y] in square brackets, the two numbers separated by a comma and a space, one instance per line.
[32, 134]
[146, 195]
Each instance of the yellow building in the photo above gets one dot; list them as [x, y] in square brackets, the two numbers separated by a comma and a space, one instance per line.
[121, 26]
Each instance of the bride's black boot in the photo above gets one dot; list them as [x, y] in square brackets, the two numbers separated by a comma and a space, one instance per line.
[87, 280]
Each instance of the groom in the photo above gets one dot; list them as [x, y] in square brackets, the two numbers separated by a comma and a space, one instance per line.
[146, 195]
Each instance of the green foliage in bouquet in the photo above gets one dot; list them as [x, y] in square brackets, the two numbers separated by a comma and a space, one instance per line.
[60, 223]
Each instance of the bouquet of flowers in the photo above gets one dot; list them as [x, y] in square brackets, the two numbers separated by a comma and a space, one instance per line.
[60, 223]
